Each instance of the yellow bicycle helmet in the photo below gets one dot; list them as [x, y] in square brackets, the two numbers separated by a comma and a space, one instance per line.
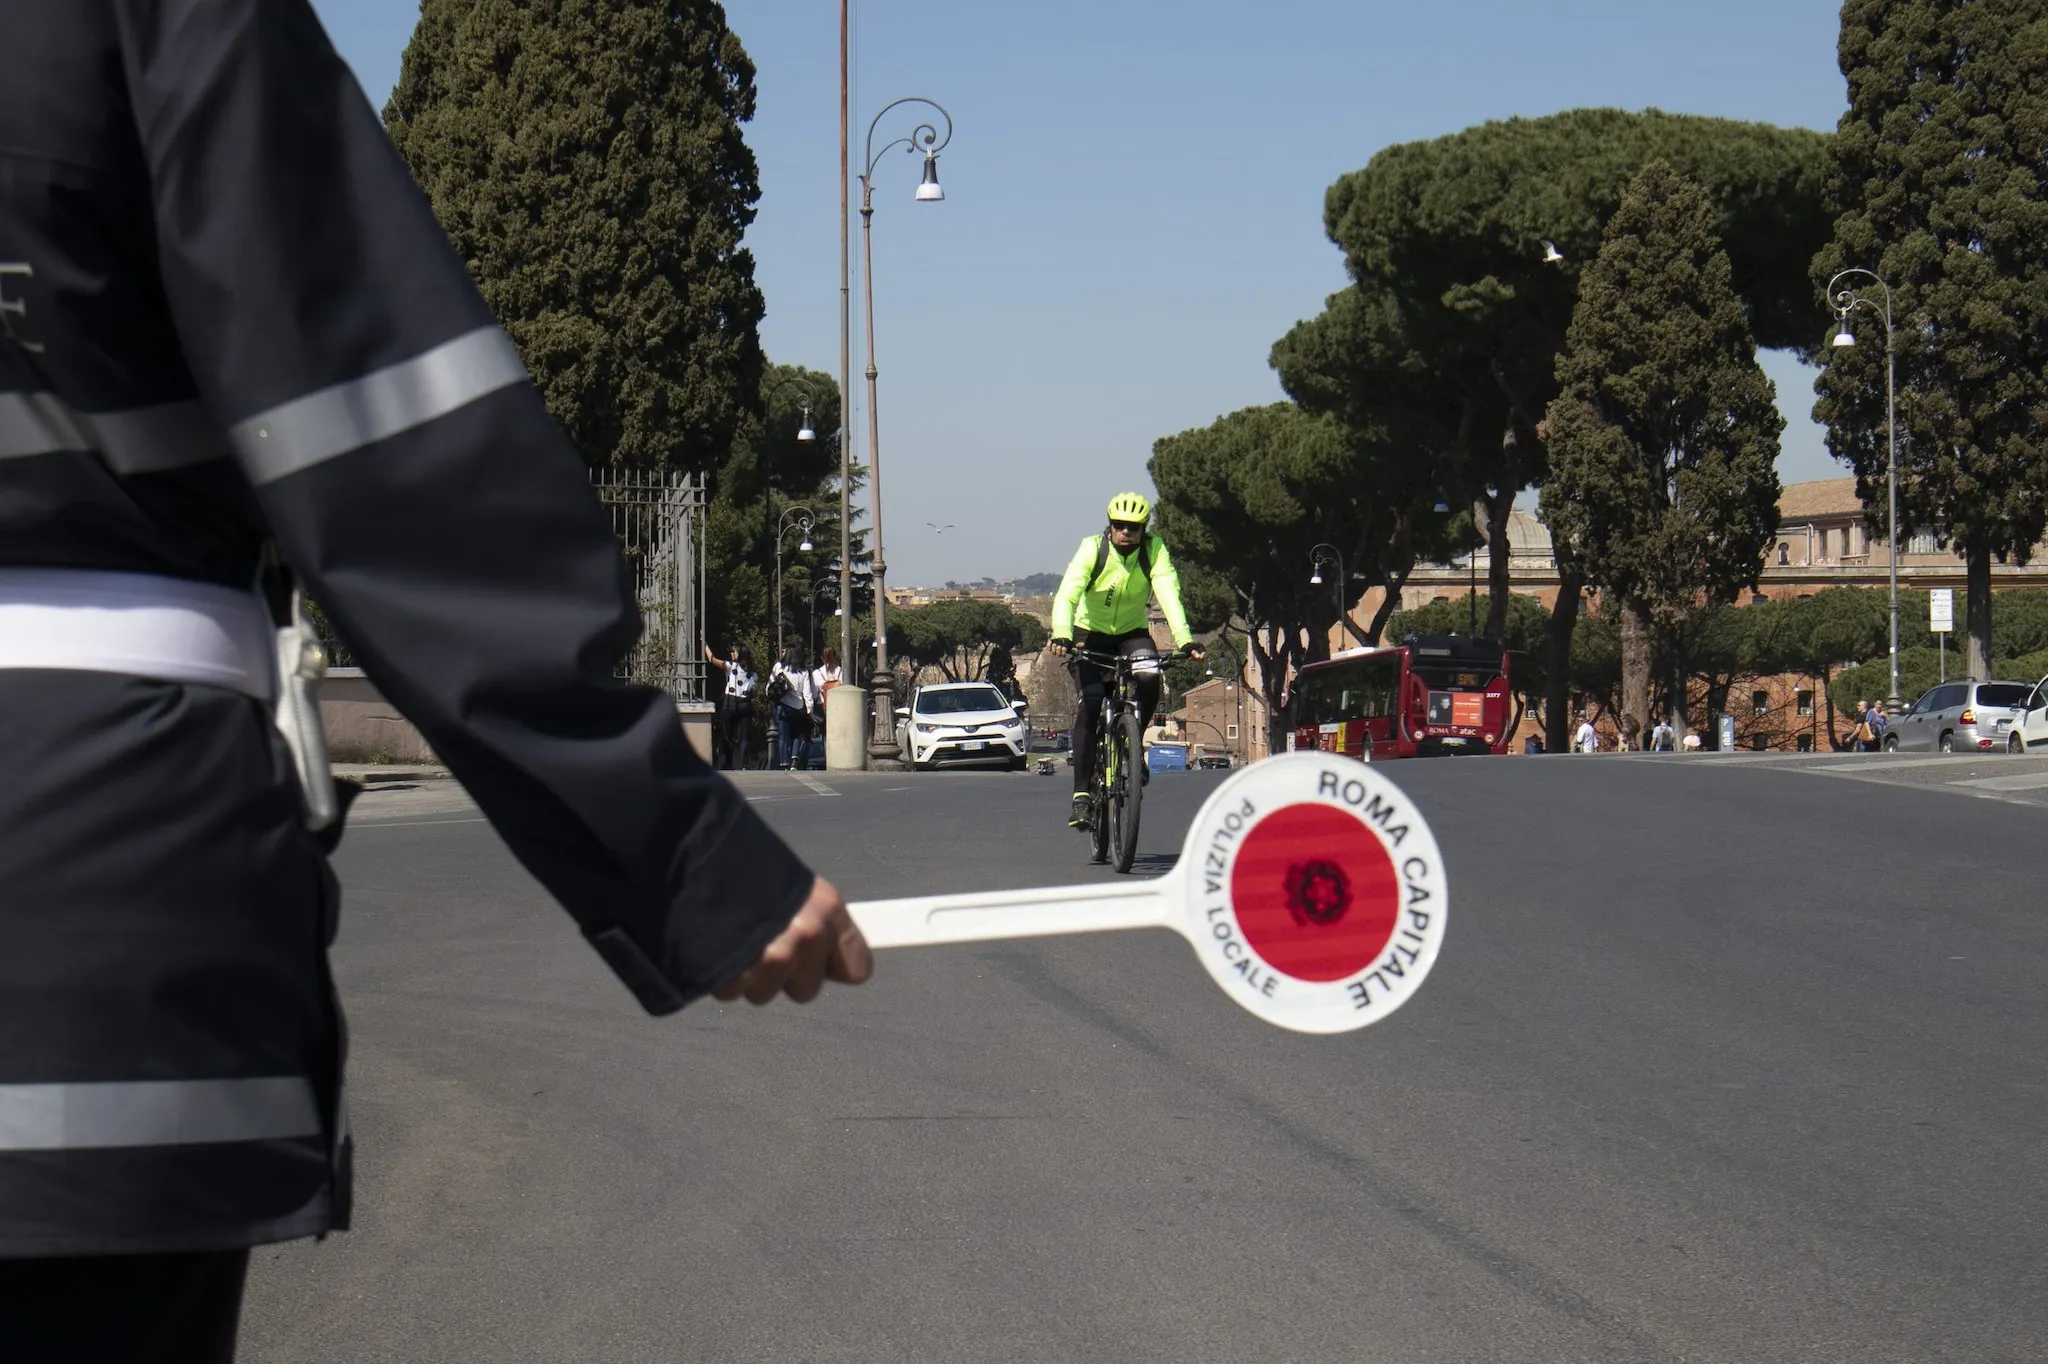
[1130, 507]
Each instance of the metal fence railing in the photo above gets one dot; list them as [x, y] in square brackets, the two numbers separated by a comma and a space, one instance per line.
[659, 519]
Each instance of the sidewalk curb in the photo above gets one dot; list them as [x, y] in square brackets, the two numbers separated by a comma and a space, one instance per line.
[372, 773]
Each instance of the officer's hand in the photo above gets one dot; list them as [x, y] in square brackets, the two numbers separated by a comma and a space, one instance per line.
[1062, 645]
[1196, 652]
[821, 943]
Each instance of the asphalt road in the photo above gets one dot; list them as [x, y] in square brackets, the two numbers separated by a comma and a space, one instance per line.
[1724, 1060]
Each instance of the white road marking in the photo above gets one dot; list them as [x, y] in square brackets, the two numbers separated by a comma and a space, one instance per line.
[1849, 764]
[814, 784]
[2026, 781]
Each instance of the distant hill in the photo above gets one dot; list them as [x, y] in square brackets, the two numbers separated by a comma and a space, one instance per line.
[1036, 584]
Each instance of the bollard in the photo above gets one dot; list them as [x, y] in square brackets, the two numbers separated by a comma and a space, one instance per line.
[846, 729]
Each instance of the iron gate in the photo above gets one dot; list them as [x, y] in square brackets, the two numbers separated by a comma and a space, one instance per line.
[659, 519]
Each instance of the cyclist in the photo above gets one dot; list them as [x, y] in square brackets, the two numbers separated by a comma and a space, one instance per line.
[1100, 609]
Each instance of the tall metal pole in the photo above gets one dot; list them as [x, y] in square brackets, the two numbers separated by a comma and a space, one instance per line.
[882, 746]
[845, 361]
[1844, 301]
[1891, 429]
[1472, 592]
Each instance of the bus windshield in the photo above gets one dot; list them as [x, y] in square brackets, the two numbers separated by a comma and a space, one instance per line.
[1455, 665]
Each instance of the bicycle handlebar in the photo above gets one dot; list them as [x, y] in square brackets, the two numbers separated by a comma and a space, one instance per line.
[1123, 662]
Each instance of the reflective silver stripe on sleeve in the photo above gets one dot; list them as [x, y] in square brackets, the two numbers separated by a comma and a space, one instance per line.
[310, 430]
[138, 441]
[80, 1117]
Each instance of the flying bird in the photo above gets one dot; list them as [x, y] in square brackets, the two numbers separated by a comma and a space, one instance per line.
[939, 528]
[1551, 255]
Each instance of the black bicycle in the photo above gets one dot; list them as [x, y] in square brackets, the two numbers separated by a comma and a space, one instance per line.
[1118, 789]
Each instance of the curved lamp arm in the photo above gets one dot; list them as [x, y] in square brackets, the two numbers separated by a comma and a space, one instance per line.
[925, 137]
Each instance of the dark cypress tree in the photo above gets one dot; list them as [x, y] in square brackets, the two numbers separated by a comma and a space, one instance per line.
[586, 158]
[1664, 436]
[1938, 170]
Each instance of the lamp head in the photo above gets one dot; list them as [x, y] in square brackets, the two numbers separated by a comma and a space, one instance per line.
[1844, 337]
[1316, 578]
[930, 191]
[805, 433]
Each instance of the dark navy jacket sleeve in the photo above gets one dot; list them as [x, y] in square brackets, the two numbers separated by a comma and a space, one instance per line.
[421, 491]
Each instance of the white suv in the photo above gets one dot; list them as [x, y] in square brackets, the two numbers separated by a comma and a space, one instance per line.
[959, 724]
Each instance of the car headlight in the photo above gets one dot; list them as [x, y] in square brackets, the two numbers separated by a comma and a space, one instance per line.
[927, 729]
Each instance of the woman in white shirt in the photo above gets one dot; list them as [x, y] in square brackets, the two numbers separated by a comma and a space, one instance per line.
[791, 693]
[735, 710]
[824, 678]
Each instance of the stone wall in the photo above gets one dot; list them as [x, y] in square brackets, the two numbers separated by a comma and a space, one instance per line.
[362, 727]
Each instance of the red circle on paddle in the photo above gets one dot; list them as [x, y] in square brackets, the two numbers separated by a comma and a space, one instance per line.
[1315, 892]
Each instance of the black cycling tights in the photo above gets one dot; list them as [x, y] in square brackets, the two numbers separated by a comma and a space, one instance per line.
[1093, 678]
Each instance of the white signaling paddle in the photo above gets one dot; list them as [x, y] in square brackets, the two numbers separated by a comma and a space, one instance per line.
[1309, 885]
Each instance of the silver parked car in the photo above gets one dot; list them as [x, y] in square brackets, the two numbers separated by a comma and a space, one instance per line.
[1959, 717]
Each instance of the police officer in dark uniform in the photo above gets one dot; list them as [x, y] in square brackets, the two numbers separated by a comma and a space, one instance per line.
[231, 333]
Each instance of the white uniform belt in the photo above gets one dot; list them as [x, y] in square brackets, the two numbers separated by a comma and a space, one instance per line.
[139, 624]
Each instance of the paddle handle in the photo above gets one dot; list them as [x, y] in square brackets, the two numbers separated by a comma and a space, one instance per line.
[925, 920]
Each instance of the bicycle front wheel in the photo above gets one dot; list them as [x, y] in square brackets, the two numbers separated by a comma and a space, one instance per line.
[1127, 741]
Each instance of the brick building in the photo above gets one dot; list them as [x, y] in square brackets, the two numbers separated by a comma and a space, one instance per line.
[1220, 716]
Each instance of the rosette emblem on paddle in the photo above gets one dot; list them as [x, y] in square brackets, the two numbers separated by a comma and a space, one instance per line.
[1310, 886]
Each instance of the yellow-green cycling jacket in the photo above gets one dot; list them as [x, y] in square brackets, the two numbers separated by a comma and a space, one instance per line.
[1114, 603]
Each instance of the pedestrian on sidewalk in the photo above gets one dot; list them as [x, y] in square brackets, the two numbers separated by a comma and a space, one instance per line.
[1859, 730]
[1587, 739]
[736, 703]
[1880, 724]
[236, 347]
[789, 692]
[1663, 737]
[824, 678]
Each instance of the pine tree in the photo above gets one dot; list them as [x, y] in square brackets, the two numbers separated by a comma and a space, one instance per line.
[1664, 436]
[586, 158]
[1937, 173]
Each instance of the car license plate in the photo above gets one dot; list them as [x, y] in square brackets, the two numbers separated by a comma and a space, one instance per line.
[974, 743]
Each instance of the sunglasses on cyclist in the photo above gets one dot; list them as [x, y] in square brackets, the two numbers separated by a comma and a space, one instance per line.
[1133, 527]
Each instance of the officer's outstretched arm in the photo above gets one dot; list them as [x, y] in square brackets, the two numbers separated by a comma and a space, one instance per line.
[423, 494]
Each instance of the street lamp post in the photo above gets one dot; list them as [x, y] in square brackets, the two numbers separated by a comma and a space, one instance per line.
[882, 747]
[804, 432]
[824, 587]
[1845, 300]
[1330, 554]
[803, 520]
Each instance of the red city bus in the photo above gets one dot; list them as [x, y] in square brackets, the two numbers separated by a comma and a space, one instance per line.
[1428, 694]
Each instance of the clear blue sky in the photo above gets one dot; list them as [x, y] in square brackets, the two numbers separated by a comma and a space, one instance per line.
[1134, 208]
